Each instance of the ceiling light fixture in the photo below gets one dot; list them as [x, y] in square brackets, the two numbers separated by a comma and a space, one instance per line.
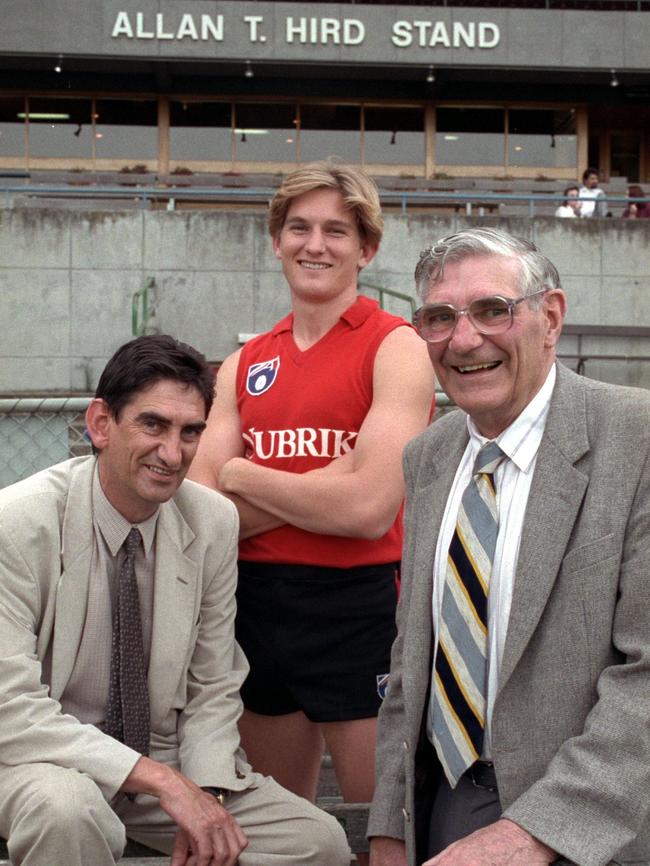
[431, 75]
[613, 82]
[248, 70]
[42, 115]
[58, 66]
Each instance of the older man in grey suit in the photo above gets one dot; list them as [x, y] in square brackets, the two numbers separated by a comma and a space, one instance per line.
[515, 730]
[120, 675]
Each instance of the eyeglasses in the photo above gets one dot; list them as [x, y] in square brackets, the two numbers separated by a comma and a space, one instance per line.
[493, 315]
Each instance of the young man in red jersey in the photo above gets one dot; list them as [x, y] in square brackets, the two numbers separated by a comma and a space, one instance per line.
[306, 438]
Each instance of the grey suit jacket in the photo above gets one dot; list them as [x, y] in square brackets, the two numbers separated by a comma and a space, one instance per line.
[571, 723]
[195, 670]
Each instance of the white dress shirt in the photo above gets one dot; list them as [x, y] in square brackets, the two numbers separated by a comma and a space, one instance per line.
[520, 442]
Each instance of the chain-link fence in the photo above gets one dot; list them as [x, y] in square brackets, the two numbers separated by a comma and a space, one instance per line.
[37, 432]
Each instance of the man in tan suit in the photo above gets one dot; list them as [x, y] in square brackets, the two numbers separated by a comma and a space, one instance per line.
[72, 786]
[528, 744]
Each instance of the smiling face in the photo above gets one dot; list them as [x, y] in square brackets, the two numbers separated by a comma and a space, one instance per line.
[145, 455]
[321, 249]
[493, 378]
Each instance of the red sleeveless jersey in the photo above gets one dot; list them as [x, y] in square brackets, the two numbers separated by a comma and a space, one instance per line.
[301, 410]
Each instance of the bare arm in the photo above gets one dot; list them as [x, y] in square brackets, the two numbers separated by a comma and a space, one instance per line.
[206, 829]
[385, 851]
[222, 441]
[360, 498]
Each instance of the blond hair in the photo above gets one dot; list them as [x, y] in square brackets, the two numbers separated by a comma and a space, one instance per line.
[358, 190]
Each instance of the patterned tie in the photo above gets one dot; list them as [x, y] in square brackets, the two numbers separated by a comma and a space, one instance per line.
[127, 714]
[459, 686]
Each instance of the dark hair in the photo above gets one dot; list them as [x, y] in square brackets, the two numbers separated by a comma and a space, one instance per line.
[141, 363]
[588, 171]
[568, 190]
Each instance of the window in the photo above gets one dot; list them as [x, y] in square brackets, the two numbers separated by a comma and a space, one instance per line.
[393, 136]
[59, 128]
[200, 131]
[330, 130]
[470, 136]
[126, 129]
[12, 127]
[265, 132]
[542, 137]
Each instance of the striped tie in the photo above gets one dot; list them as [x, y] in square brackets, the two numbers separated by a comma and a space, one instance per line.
[459, 684]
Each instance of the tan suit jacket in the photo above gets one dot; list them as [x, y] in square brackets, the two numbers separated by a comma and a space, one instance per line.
[196, 668]
[571, 723]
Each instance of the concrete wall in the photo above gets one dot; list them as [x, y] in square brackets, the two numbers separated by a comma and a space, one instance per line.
[67, 279]
[544, 39]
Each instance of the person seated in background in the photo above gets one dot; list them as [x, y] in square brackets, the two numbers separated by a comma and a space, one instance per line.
[593, 202]
[636, 209]
[306, 436]
[119, 695]
[570, 207]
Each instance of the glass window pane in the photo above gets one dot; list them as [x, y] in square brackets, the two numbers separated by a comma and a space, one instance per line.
[470, 136]
[265, 132]
[200, 130]
[126, 129]
[542, 137]
[330, 130]
[12, 127]
[394, 136]
[625, 158]
[60, 127]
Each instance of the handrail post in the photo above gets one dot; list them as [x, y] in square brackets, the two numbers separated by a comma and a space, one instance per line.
[393, 293]
[140, 305]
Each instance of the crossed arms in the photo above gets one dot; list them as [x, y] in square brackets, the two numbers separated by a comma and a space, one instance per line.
[358, 494]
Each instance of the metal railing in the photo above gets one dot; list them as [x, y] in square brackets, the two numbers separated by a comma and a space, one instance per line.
[144, 196]
[384, 293]
[583, 352]
[142, 308]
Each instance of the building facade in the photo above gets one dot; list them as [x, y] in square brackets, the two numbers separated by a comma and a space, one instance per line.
[421, 91]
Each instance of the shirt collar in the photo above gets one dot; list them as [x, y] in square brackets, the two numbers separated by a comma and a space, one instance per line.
[521, 440]
[113, 526]
[355, 315]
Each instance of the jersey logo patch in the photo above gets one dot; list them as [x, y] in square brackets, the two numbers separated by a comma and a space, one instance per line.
[382, 685]
[261, 376]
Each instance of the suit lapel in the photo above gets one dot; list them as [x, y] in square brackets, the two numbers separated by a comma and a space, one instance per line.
[175, 609]
[72, 587]
[556, 494]
[435, 474]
